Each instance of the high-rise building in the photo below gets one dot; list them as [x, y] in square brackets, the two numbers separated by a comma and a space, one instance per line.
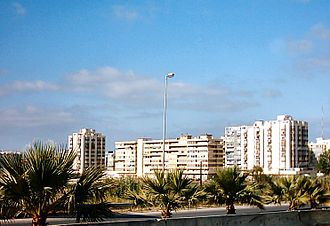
[199, 157]
[233, 145]
[287, 144]
[278, 146]
[90, 149]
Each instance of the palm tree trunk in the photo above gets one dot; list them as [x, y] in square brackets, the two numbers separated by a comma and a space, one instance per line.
[313, 204]
[231, 209]
[166, 213]
[39, 220]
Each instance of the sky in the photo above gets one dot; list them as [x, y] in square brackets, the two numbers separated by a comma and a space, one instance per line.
[67, 65]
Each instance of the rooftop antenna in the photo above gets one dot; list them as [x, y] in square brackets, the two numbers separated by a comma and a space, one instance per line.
[322, 123]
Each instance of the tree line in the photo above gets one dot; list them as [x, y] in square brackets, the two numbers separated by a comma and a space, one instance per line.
[42, 181]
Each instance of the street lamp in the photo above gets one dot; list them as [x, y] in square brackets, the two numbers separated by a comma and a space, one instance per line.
[169, 75]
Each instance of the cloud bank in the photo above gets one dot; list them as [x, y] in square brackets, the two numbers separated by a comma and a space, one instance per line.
[19, 9]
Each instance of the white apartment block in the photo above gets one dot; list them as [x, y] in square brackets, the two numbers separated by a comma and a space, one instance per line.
[199, 157]
[3, 152]
[109, 161]
[233, 145]
[90, 149]
[278, 146]
[319, 146]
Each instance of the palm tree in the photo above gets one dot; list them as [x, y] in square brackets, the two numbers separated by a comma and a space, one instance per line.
[34, 182]
[189, 192]
[229, 186]
[274, 192]
[315, 192]
[167, 190]
[136, 193]
[294, 190]
[139, 197]
[194, 195]
[178, 182]
[120, 186]
[10, 185]
[259, 177]
[86, 196]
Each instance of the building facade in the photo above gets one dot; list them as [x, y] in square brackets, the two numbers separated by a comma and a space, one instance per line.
[109, 161]
[233, 147]
[90, 148]
[319, 146]
[278, 146]
[199, 157]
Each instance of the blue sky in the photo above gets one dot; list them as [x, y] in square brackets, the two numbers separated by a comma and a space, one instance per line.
[67, 65]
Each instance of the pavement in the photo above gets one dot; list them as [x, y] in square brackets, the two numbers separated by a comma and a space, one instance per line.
[137, 216]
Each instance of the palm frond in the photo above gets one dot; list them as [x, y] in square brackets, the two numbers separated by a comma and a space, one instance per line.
[93, 212]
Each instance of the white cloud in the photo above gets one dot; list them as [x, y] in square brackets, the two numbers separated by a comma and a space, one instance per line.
[31, 116]
[116, 93]
[19, 9]
[3, 72]
[35, 85]
[126, 89]
[308, 54]
[277, 46]
[26, 86]
[299, 46]
[111, 99]
[321, 32]
[129, 89]
[318, 60]
[272, 93]
[115, 84]
[319, 64]
[303, 1]
[125, 13]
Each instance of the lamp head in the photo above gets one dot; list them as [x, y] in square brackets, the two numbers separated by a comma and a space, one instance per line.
[170, 75]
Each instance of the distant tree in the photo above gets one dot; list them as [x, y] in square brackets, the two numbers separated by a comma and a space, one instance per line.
[325, 181]
[257, 170]
[312, 161]
[259, 177]
[120, 187]
[323, 164]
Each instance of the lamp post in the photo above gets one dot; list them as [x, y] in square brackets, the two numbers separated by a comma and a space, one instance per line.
[169, 75]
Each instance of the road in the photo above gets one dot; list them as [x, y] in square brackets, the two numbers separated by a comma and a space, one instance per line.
[134, 216]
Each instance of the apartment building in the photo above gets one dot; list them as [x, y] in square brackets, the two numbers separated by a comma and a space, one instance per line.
[243, 146]
[278, 146]
[5, 152]
[109, 160]
[199, 157]
[286, 144]
[319, 146]
[90, 148]
[233, 145]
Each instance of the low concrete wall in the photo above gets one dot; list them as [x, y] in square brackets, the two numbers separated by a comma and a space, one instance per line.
[294, 218]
